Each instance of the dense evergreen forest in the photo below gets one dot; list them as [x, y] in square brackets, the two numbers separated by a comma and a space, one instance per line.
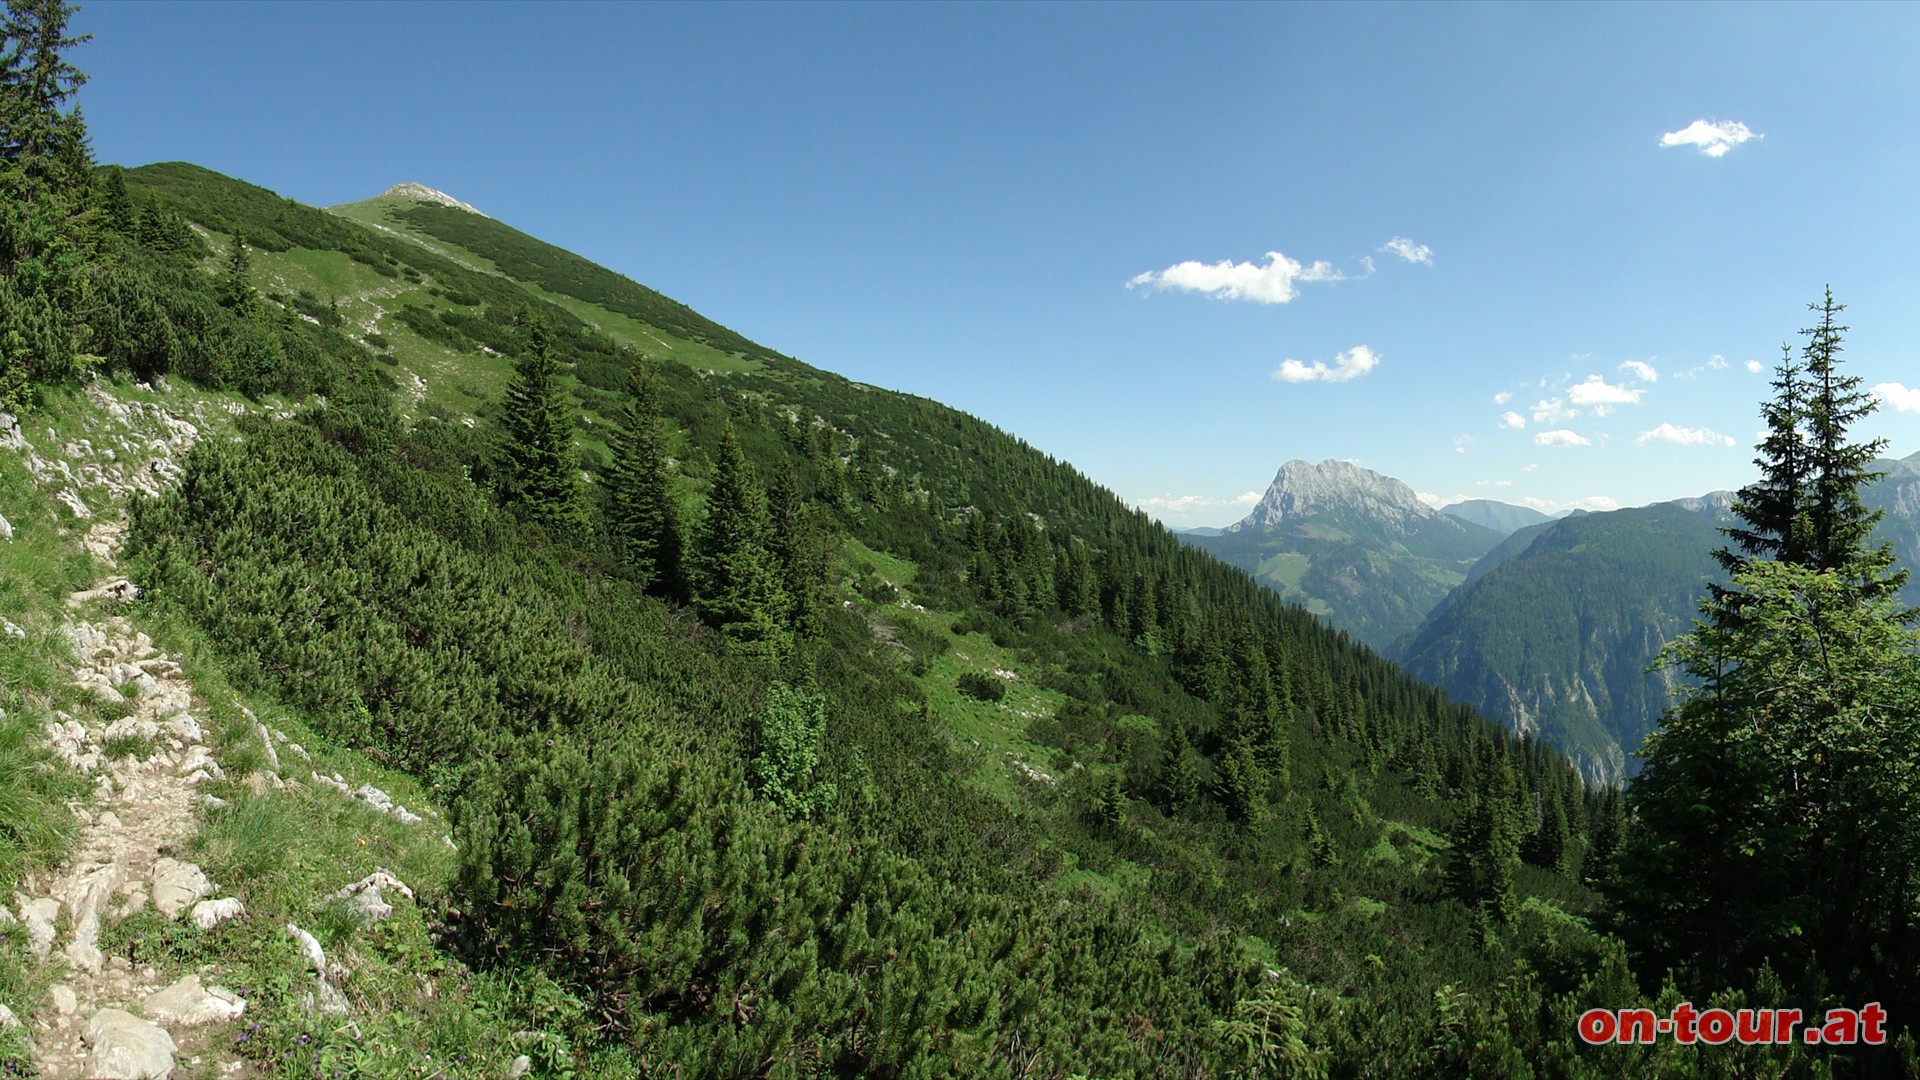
[699, 662]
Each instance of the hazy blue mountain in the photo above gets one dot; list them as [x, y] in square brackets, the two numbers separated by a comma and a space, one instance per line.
[1501, 517]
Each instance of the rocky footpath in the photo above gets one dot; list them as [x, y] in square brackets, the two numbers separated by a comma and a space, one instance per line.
[153, 774]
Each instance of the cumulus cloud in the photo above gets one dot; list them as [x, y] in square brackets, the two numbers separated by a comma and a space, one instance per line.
[1683, 436]
[1461, 442]
[1753, 366]
[1597, 391]
[1717, 362]
[1530, 466]
[1503, 397]
[1513, 421]
[1351, 364]
[1714, 138]
[1641, 370]
[1552, 411]
[1187, 504]
[1271, 282]
[1408, 250]
[1594, 503]
[1560, 437]
[1898, 397]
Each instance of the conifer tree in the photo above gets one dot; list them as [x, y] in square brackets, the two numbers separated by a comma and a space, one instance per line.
[1774, 509]
[36, 81]
[236, 293]
[1772, 821]
[798, 544]
[1841, 524]
[45, 191]
[641, 513]
[116, 205]
[736, 577]
[539, 472]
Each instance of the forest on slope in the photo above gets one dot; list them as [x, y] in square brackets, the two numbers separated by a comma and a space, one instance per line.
[810, 729]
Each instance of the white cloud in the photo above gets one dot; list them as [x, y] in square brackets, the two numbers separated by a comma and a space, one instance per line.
[1753, 366]
[1713, 139]
[1683, 436]
[1593, 503]
[1552, 411]
[1461, 442]
[1597, 391]
[1898, 397]
[1269, 283]
[1529, 467]
[1560, 437]
[1503, 483]
[1187, 504]
[1641, 370]
[1503, 397]
[1717, 362]
[1351, 364]
[1408, 250]
[1513, 421]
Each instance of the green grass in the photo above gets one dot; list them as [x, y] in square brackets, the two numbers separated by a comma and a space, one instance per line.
[1283, 569]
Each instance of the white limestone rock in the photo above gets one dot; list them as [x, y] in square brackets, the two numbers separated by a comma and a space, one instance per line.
[363, 897]
[189, 1003]
[176, 885]
[326, 997]
[121, 1046]
[210, 913]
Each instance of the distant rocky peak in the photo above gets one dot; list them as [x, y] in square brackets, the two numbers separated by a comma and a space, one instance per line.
[1302, 489]
[423, 193]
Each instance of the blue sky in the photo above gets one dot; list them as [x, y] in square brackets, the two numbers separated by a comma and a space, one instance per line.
[1174, 245]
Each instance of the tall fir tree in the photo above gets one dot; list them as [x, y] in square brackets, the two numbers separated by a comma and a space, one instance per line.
[236, 292]
[37, 133]
[798, 542]
[736, 576]
[1841, 526]
[45, 196]
[1772, 820]
[539, 474]
[1774, 510]
[641, 513]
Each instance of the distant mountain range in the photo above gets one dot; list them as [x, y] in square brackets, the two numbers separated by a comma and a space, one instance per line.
[1504, 518]
[1354, 546]
[1549, 624]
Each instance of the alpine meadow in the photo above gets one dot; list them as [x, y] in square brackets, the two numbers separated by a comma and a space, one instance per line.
[430, 653]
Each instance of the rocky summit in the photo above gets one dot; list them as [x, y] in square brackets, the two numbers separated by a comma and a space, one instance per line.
[1301, 489]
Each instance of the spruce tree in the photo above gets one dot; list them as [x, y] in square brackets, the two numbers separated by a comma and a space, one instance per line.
[736, 577]
[236, 292]
[1841, 525]
[641, 513]
[1774, 510]
[539, 474]
[798, 544]
[45, 192]
[36, 81]
[1772, 821]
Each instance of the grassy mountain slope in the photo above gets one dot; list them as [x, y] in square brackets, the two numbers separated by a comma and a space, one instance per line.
[1081, 799]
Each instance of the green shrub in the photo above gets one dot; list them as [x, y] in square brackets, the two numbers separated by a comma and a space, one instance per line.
[981, 686]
